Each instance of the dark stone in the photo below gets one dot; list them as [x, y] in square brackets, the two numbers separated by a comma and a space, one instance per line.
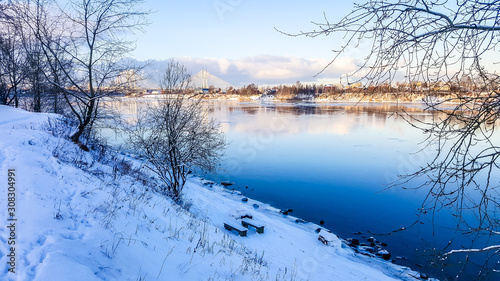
[424, 276]
[355, 242]
[384, 254]
[419, 265]
[226, 183]
[358, 233]
[321, 222]
[284, 213]
[290, 210]
[244, 199]
[383, 244]
[256, 206]
[372, 244]
[300, 221]
[322, 240]
[247, 216]
[318, 230]
[371, 239]
[370, 250]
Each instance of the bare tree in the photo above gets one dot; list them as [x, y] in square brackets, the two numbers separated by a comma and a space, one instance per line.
[12, 59]
[34, 70]
[55, 74]
[176, 136]
[421, 39]
[89, 50]
[176, 78]
[431, 41]
[22, 58]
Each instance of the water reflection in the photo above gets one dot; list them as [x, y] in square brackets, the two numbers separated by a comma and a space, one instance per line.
[304, 108]
[292, 119]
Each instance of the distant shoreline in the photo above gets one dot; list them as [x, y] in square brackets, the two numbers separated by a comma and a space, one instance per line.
[421, 100]
[343, 97]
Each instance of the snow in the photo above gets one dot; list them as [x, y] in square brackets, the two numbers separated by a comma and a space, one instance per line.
[78, 220]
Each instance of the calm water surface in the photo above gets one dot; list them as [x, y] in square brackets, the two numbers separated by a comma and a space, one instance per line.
[334, 162]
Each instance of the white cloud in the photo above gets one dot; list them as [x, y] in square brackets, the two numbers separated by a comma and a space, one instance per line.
[224, 65]
[267, 69]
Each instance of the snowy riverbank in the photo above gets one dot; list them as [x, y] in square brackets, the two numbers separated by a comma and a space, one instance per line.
[77, 218]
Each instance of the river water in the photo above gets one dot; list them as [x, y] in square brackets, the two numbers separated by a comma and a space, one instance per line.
[335, 162]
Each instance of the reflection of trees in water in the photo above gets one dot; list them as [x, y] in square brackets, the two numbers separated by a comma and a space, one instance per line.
[251, 110]
[380, 111]
[370, 109]
[298, 109]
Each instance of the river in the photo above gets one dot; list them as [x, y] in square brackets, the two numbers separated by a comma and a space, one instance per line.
[335, 162]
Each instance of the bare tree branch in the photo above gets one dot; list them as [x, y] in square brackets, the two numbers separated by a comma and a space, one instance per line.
[439, 42]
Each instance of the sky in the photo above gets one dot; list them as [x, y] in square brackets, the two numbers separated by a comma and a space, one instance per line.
[237, 40]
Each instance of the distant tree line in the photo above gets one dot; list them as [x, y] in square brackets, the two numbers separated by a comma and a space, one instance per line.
[456, 88]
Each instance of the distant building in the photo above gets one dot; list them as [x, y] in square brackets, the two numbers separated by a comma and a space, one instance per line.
[330, 88]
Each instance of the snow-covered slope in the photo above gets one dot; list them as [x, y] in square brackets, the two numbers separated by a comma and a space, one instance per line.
[79, 219]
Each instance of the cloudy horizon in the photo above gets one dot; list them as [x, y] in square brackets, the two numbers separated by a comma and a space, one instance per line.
[264, 69]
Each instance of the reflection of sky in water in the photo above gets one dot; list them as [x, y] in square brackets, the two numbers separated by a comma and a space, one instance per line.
[333, 162]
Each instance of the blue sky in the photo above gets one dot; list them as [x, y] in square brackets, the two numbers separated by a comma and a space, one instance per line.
[237, 41]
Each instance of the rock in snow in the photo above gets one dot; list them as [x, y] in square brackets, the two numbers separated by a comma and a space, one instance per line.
[226, 183]
[384, 254]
